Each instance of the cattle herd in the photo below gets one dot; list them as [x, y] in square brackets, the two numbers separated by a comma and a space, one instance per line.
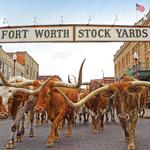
[62, 103]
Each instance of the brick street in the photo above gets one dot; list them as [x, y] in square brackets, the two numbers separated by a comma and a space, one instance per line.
[111, 138]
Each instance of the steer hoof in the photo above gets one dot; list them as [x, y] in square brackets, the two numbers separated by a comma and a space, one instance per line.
[131, 146]
[68, 133]
[31, 134]
[50, 143]
[18, 139]
[10, 145]
[56, 140]
[127, 139]
[95, 131]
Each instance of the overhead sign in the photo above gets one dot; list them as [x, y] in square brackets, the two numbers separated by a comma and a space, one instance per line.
[74, 33]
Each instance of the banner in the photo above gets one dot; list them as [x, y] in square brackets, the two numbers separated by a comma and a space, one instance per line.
[74, 33]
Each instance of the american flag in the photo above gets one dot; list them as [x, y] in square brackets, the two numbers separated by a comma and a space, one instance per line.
[140, 8]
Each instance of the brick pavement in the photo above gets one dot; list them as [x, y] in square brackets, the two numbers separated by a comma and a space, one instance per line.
[110, 139]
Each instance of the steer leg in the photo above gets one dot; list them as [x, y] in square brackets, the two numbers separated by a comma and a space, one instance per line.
[93, 124]
[11, 142]
[31, 133]
[18, 135]
[107, 119]
[69, 124]
[131, 144]
[37, 119]
[53, 135]
[22, 125]
[102, 121]
[124, 126]
[112, 113]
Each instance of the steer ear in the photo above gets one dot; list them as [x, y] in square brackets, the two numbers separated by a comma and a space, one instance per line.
[136, 89]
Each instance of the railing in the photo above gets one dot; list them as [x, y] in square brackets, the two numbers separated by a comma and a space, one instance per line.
[141, 66]
[144, 66]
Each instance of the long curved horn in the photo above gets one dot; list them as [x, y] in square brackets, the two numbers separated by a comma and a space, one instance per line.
[27, 91]
[5, 82]
[70, 85]
[17, 85]
[21, 84]
[140, 83]
[69, 80]
[85, 99]
[110, 87]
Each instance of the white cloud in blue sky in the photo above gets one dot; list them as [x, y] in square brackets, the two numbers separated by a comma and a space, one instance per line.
[65, 58]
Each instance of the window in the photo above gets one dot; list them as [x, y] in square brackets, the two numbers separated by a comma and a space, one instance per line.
[27, 69]
[146, 47]
[116, 68]
[123, 62]
[0, 64]
[128, 58]
[147, 63]
[119, 66]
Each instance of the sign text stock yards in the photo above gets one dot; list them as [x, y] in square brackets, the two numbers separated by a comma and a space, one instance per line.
[73, 33]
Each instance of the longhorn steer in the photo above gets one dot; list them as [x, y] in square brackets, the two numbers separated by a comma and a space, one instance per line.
[19, 101]
[127, 101]
[44, 94]
[53, 102]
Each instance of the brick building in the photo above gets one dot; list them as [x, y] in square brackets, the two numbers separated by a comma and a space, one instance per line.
[31, 67]
[124, 60]
[25, 65]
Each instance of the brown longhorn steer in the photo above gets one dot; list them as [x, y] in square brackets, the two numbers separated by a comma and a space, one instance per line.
[19, 103]
[53, 102]
[128, 102]
[55, 115]
[97, 105]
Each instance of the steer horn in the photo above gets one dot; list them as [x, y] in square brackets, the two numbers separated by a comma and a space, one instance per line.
[27, 91]
[70, 85]
[75, 81]
[69, 79]
[85, 99]
[110, 87]
[17, 85]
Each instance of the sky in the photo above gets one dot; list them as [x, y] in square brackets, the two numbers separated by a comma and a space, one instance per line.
[65, 58]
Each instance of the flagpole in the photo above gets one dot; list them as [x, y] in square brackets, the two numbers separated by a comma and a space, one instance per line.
[136, 14]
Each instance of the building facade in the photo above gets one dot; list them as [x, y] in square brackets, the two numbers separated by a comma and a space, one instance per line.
[7, 65]
[31, 67]
[24, 65]
[125, 61]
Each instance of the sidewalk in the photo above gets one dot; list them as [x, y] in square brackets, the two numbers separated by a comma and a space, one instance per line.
[147, 113]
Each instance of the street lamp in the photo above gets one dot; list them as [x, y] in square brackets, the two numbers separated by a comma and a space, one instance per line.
[103, 76]
[135, 55]
[14, 59]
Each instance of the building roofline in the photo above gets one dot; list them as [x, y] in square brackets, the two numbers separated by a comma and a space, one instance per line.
[25, 52]
[125, 44]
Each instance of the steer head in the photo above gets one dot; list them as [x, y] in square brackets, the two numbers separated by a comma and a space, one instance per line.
[43, 99]
[120, 96]
[44, 95]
